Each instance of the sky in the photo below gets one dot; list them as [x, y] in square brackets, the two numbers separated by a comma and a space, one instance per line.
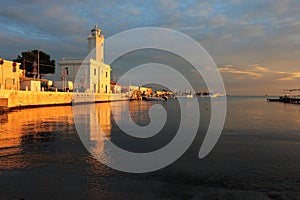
[255, 44]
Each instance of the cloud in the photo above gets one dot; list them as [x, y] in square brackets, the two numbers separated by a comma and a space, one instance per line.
[282, 6]
[260, 68]
[290, 77]
[169, 4]
[258, 71]
[253, 30]
[285, 79]
[238, 72]
[219, 20]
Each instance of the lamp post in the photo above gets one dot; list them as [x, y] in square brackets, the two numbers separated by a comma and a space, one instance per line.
[38, 64]
[1, 63]
[14, 65]
[24, 67]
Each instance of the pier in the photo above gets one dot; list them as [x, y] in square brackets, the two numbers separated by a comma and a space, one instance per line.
[285, 99]
[289, 98]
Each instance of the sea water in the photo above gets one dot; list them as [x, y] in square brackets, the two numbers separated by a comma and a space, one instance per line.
[256, 157]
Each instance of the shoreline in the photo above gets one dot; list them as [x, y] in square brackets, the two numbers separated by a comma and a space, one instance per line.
[18, 99]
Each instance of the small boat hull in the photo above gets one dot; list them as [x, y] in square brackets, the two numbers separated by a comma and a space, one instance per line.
[154, 99]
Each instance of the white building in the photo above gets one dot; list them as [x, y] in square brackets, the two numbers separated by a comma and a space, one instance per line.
[94, 74]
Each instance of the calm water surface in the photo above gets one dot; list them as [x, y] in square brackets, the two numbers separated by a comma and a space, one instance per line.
[257, 156]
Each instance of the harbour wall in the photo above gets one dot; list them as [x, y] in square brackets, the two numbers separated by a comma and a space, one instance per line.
[19, 99]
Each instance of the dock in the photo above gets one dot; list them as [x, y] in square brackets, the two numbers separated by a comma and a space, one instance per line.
[289, 97]
[285, 99]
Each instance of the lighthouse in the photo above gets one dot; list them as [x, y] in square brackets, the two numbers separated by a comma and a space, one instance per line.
[95, 44]
[91, 73]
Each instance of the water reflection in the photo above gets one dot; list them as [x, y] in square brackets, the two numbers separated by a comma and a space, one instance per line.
[40, 152]
[261, 117]
[24, 129]
[3, 118]
[91, 120]
[138, 112]
[102, 118]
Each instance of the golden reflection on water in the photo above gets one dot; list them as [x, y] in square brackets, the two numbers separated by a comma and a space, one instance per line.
[102, 117]
[139, 111]
[28, 124]
[30, 128]
[103, 111]
[24, 129]
[105, 115]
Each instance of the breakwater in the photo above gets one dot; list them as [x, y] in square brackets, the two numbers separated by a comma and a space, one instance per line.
[11, 99]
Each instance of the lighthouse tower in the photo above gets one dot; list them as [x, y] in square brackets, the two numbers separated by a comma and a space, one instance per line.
[95, 44]
[91, 73]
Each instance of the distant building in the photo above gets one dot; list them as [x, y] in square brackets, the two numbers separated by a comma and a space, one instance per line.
[10, 74]
[29, 84]
[162, 93]
[146, 91]
[136, 92]
[94, 75]
[115, 87]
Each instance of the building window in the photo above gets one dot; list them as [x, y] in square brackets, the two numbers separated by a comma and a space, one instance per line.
[106, 74]
[95, 72]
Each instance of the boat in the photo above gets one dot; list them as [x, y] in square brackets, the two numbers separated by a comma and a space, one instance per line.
[153, 98]
[214, 95]
[211, 95]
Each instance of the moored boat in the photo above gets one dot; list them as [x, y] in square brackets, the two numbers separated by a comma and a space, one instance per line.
[153, 98]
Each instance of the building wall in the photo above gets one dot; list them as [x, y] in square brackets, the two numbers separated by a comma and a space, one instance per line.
[30, 85]
[94, 75]
[91, 75]
[71, 66]
[70, 72]
[9, 79]
[104, 83]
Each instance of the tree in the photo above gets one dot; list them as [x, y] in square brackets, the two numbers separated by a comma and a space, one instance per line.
[30, 58]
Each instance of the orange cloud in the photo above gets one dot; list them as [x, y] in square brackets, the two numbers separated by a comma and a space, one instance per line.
[241, 72]
[261, 69]
[285, 79]
[290, 77]
[258, 71]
